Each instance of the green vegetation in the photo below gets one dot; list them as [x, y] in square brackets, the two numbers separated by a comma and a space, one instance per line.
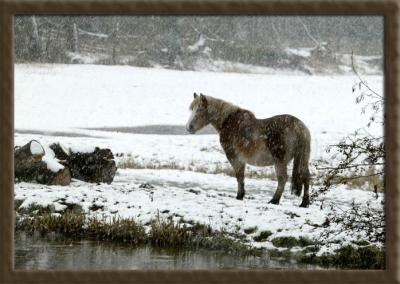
[360, 242]
[304, 242]
[33, 209]
[250, 230]
[289, 242]
[309, 249]
[163, 233]
[349, 257]
[263, 236]
[75, 225]
[276, 253]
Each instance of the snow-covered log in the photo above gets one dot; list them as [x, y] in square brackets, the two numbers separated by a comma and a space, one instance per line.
[31, 152]
[26, 160]
[30, 167]
[60, 152]
[58, 168]
[96, 167]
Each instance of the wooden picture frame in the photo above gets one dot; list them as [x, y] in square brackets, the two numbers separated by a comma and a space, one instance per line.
[389, 9]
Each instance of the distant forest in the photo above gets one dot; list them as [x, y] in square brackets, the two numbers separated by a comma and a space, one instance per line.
[183, 42]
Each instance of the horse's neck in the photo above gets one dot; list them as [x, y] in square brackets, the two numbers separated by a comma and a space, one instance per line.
[219, 111]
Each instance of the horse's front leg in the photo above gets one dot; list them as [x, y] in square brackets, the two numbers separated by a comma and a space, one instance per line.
[238, 167]
[281, 173]
[239, 171]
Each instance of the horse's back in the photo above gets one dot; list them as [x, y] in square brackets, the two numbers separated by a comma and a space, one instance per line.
[283, 133]
[239, 126]
[283, 122]
[242, 136]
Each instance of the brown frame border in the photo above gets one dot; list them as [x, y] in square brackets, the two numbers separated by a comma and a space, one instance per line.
[387, 8]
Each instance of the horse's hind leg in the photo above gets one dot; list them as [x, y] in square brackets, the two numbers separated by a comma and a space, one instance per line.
[297, 181]
[281, 173]
[306, 196]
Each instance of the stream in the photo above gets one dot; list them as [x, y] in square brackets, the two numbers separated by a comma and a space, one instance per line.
[60, 253]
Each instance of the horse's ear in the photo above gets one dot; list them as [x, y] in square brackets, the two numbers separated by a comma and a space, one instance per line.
[195, 95]
[203, 99]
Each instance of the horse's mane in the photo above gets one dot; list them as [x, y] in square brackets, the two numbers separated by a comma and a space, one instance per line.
[219, 109]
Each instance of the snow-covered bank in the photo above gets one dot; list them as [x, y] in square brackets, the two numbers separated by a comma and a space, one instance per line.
[204, 198]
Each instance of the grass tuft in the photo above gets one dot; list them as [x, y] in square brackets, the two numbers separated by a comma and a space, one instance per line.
[250, 230]
[263, 236]
[360, 242]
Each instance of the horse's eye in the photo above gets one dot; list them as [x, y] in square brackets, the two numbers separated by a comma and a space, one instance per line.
[200, 109]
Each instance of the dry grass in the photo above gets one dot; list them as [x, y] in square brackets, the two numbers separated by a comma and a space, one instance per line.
[218, 168]
[369, 182]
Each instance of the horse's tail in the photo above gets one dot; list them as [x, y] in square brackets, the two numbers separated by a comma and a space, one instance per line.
[301, 172]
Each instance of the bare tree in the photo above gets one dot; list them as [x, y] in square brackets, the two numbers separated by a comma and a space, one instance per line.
[76, 39]
[37, 50]
[114, 38]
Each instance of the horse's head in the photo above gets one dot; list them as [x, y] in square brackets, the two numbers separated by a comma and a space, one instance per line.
[199, 116]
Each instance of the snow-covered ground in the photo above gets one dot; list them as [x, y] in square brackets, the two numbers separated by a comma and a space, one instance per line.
[57, 103]
[208, 199]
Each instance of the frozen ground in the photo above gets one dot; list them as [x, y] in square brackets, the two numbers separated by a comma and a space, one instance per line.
[57, 103]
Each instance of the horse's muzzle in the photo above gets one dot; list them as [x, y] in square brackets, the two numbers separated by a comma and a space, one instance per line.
[190, 129]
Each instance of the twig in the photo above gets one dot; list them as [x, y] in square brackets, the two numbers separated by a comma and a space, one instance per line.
[361, 80]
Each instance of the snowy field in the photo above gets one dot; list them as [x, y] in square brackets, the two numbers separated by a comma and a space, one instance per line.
[59, 103]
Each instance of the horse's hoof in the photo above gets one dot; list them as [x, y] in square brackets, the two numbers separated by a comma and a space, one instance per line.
[274, 201]
[304, 204]
[239, 196]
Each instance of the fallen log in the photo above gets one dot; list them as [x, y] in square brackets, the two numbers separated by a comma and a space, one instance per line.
[96, 167]
[29, 166]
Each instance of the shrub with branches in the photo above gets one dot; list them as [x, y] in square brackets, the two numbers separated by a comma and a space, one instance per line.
[366, 221]
[359, 158]
[361, 155]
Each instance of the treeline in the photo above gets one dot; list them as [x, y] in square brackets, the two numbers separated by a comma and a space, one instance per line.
[180, 42]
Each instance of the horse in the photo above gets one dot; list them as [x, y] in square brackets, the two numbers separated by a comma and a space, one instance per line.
[259, 142]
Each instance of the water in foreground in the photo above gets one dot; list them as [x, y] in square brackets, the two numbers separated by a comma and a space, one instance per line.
[55, 252]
